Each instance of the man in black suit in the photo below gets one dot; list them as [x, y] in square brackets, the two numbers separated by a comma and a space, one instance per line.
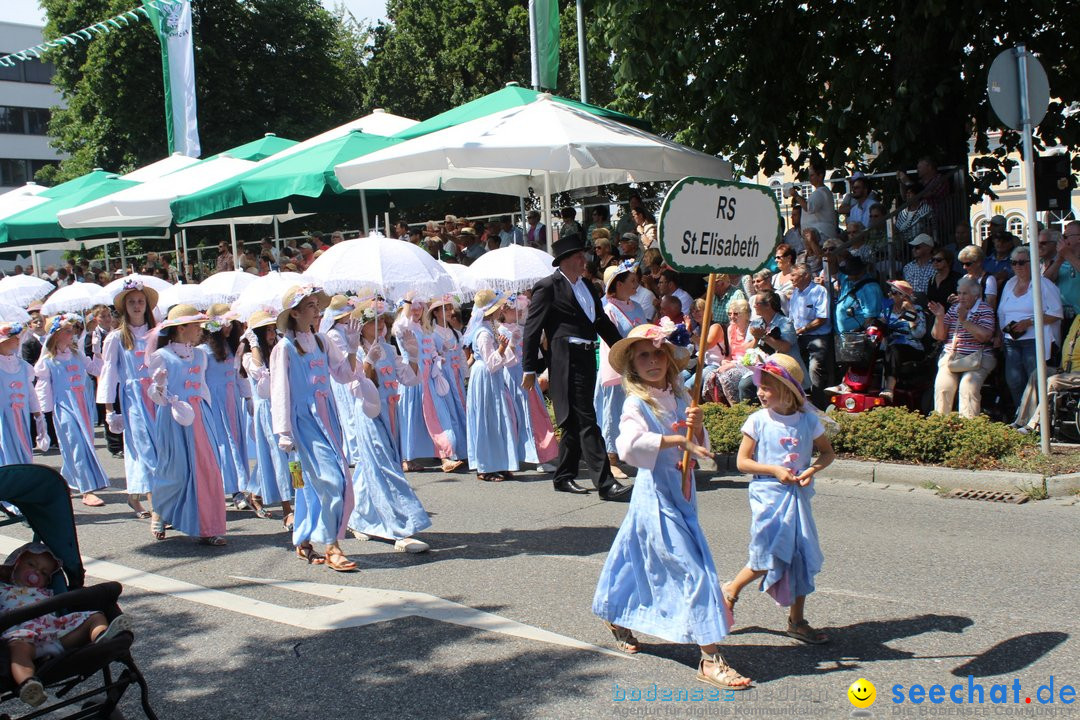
[567, 309]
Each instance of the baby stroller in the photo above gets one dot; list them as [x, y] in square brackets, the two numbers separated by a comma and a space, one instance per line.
[42, 497]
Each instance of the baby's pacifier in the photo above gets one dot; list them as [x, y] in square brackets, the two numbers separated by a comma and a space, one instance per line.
[33, 578]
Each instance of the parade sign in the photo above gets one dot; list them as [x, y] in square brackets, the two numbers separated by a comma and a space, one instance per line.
[718, 226]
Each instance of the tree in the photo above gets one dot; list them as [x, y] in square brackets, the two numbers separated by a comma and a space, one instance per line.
[896, 80]
[283, 66]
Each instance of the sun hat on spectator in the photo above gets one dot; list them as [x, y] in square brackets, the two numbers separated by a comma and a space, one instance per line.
[904, 287]
[922, 239]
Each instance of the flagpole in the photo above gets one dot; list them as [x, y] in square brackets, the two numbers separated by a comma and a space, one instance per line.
[533, 49]
[581, 50]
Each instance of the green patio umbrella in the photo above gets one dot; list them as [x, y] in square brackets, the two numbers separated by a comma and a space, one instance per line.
[256, 150]
[39, 222]
[510, 96]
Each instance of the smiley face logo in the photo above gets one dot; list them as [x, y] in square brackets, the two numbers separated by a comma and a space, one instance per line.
[862, 693]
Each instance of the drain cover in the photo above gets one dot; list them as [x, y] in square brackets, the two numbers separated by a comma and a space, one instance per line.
[989, 496]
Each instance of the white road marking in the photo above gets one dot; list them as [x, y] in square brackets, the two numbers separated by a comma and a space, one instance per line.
[357, 606]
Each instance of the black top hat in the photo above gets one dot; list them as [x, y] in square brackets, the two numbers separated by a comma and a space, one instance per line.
[564, 246]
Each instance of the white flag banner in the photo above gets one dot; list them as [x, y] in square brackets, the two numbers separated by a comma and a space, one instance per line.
[172, 20]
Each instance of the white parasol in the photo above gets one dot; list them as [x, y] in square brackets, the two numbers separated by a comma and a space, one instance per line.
[22, 290]
[511, 269]
[78, 297]
[13, 313]
[225, 287]
[392, 268]
[265, 293]
[181, 293]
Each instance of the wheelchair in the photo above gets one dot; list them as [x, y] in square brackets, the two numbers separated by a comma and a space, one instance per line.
[1065, 416]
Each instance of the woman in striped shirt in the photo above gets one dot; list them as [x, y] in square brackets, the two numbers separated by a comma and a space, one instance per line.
[967, 327]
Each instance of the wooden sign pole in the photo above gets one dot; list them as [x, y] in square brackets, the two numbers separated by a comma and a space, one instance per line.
[706, 322]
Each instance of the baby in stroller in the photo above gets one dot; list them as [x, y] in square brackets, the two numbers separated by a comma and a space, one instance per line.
[25, 578]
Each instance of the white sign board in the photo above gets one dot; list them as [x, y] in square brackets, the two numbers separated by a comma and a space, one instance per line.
[717, 226]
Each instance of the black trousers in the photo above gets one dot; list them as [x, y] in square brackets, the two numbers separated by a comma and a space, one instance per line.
[581, 436]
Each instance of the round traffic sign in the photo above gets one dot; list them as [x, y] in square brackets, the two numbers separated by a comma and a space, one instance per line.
[1003, 89]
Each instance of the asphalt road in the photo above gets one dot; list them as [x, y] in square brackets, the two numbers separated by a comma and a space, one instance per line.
[915, 590]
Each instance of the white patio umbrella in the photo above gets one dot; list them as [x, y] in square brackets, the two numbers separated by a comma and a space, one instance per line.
[21, 290]
[182, 293]
[21, 198]
[225, 287]
[113, 289]
[77, 297]
[392, 268]
[511, 269]
[164, 166]
[147, 204]
[13, 313]
[545, 144]
[265, 293]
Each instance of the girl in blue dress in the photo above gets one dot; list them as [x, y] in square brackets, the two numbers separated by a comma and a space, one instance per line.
[659, 576]
[777, 449]
[335, 325]
[63, 388]
[226, 411]
[538, 434]
[18, 401]
[432, 418]
[271, 480]
[495, 437]
[455, 365]
[385, 505]
[620, 283]
[188, 486]
[305, 420]
[124, 380]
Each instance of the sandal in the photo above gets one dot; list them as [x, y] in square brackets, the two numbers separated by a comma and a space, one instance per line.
[449, 466]
[802, 632]
[307, 552]
[729, 601]
[489, 477]
[287, 522]
[338, 561]
[157, 529]
[212, 540]
[134, 504]
[624, 638]
[721, 675]
[261, 512]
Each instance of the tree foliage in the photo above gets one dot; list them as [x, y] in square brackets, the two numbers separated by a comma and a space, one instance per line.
[895, 80]
[283, 66]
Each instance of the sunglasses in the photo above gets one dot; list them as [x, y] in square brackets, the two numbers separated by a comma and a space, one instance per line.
[1015, 263]
[966, 264]
[939, 259]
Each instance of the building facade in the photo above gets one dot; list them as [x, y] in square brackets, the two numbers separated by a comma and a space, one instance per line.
[26, 96]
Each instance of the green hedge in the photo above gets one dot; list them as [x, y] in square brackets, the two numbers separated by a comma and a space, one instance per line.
[893, 434]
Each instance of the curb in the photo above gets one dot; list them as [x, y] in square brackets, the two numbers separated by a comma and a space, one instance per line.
[944, 478]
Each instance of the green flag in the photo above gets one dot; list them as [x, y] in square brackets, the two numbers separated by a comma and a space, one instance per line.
[547, 42]
[173, 25]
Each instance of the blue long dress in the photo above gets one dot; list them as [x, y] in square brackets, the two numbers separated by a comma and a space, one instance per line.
[346, 404]
[228, 417]
[432, 425]
[659, 577]
[125, 373]
[385, 504]
[608, 399]
[538, 434]
[783, 536]
[325, 502]
[188, 488]
[17, 400]
[73, 417]
[495, 438]
[271, 478]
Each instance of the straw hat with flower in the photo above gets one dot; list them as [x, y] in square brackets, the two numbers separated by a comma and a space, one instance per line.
[131, 286]
[621, 352]
[261, 318]
[488, 301]
[294, 296]
[785, 369]
[613, 272]
[183, 315]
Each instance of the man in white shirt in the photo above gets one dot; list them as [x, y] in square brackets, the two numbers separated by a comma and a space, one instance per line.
[808, 310]
[668, 284]
[856, 205]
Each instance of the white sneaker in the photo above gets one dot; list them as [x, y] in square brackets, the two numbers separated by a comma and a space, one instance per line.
[359, 535]
[32, 692]
[838, 389]
[411, 546]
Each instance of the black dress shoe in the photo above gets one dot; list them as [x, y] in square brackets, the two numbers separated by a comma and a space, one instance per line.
[570, 486]
[617, 493]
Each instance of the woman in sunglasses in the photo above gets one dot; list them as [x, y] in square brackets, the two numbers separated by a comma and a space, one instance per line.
[942, 285]
[971, 260]
[1016, 318]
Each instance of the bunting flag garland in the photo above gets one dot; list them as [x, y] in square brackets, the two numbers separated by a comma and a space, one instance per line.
[116, 22]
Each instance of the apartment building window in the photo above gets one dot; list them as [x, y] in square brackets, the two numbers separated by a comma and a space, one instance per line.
[28, 71]
[15, 172]
[1012, 181]
[24, 121]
